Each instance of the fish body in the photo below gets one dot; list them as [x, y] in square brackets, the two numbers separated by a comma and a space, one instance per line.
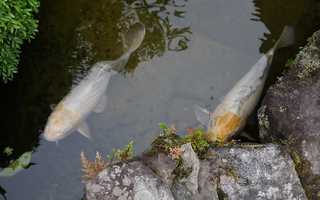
[89, 95]
[231, 114]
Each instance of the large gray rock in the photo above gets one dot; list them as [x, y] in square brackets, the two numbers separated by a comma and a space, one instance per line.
[243, 172]
[125, 181]
[255, 172]
[290, 113]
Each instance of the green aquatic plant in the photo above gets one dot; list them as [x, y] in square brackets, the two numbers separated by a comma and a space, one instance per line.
[122, 154]
[198, 141]
[169, 142]
[91, 169]
[17, 24]
[289, 62]
[17, 165]
[8, 151]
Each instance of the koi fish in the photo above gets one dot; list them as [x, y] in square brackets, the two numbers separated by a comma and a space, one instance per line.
[231, 114]
[89, 95]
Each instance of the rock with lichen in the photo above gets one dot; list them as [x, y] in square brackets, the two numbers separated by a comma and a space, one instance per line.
[233, 172]
[254, 172]
[127, 180]
[290, 114]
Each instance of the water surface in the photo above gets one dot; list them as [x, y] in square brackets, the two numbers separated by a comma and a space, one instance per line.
[193, 53]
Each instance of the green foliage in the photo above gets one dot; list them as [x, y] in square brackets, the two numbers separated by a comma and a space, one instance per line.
[198, 141]
[122, 154]
[168, 139]
[17, 24]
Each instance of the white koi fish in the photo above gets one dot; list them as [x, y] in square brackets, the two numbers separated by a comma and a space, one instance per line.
[89, 95]
[231, 114]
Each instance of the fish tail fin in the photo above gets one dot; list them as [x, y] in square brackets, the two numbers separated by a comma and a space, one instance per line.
[134, 37]
[131, 42]
[286, 38]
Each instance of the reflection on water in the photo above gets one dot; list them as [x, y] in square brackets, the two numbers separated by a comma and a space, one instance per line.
[171, 71]
[98, 36]
[303, 15]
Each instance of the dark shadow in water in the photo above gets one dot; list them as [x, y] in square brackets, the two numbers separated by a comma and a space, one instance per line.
[303, 15]
[72, 35]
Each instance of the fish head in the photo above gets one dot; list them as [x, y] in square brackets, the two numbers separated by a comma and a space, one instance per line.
[224, 126]
[60, 124]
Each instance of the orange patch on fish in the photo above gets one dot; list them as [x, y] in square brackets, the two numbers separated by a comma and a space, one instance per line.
[61, 113]
[224, 126]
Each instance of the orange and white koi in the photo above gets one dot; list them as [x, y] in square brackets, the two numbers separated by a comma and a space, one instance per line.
[231, 114]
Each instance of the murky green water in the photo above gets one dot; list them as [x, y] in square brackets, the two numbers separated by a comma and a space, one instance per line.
[193, 53]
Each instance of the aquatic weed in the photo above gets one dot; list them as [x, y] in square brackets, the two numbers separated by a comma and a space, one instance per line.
[8, 151]
[92, 168]
[122, 154]
[168, 140]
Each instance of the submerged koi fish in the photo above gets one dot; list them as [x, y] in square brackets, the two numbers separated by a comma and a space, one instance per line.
[231, 114]
[89, 94]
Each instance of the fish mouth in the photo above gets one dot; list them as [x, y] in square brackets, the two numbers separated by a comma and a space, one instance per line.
[52, 139]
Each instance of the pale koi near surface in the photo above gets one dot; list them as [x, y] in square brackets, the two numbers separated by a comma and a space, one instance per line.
[89, 95]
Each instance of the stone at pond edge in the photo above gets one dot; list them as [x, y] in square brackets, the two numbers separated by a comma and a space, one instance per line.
[255, 172]
[290, 113]
[242, 172]
[162, 165]
[125, 181]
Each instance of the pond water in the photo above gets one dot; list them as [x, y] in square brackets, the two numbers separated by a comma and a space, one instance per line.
[193, 53]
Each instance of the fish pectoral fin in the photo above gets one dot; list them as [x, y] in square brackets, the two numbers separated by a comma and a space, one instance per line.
[84, 130]
[202, 115]
[101, 104]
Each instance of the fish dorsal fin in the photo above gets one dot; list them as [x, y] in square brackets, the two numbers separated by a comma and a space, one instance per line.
[202, 115]
[83, 129]
[100, 107]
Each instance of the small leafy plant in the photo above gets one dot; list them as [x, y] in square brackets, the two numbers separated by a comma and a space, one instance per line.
[169, 142]
[122, 154]
[91, 169]
[17, 24]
